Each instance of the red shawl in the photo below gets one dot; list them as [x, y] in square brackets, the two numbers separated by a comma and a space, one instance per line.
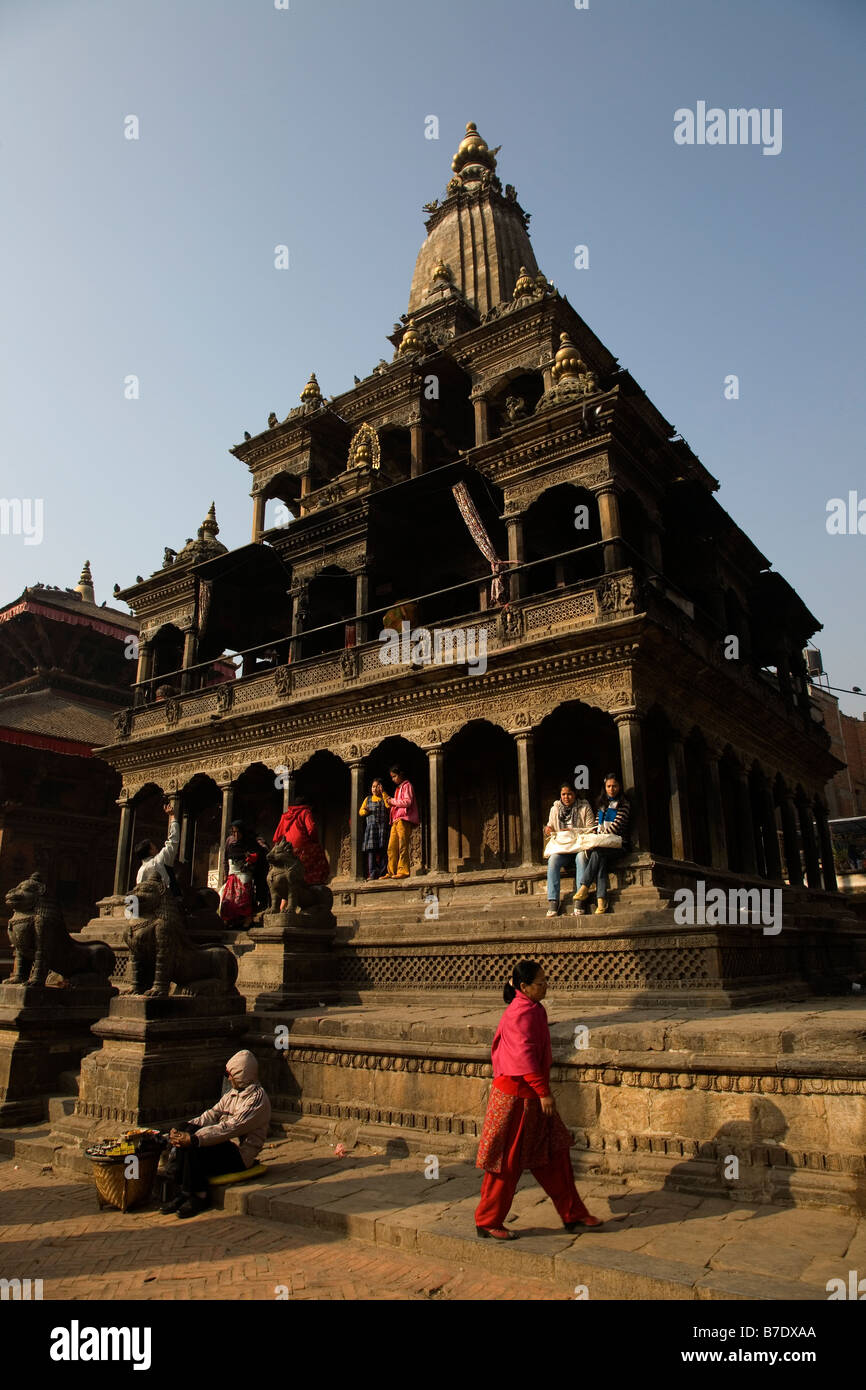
[522, 1043]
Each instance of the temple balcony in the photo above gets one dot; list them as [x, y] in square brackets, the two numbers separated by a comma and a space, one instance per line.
[591, 605]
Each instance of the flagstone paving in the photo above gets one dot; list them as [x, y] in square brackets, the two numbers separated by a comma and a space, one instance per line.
[368, 1226]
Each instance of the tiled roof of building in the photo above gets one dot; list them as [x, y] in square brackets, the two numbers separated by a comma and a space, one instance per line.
[72, 602]
[59, 715]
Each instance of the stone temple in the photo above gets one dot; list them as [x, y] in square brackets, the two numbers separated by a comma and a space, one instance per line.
[502, 486]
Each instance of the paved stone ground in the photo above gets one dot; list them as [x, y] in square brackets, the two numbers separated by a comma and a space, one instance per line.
[366, 1226]
[50, 1229]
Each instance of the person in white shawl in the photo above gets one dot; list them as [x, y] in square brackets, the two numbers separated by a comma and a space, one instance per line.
[568, 817]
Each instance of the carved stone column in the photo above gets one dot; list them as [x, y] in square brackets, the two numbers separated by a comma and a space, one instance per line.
[747, 826]
[516, 556]
[187, 833]
[608, 514]
[681, 826]
[121, 866]
[288, 784]
[145, 667]
[362, 588]
[628, 727]
[526, 784]
[789, 835]
[828, 863]
[190, 653]
[259, 504]
[228, 790]
[482, 419]
[810, 845]
[416, 444]
[715, 813]
[356, 796]
[438, 825]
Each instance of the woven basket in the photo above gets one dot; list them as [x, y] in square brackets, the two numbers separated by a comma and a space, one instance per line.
[115, 1189]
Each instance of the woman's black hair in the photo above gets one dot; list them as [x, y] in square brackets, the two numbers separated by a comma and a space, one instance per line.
[603, 798]
[523, 973]
[142, 850]
[397, 769]
[566, 783]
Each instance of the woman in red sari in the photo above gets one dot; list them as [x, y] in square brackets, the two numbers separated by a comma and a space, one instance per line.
[522, 1128]
[297, 825]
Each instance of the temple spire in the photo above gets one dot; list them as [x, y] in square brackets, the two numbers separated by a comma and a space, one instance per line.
[477, 239]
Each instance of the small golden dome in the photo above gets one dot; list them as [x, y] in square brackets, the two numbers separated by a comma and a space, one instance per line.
[311, 395]
[567, 361]
[441, 272]
[473, 150]
[525, 284]
[411, 340]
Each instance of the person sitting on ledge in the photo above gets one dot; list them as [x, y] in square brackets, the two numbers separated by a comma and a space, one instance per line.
[614, 810]
[522, 1128]
[225, 1139]
[566, 814]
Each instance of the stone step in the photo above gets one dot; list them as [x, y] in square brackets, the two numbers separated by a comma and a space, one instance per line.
[385, 1204]
[59, 1106]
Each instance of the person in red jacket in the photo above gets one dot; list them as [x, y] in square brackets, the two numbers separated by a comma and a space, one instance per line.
[297, 825]
[522, 1128]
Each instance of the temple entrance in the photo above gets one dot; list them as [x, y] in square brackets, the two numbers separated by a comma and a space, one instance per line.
[257, 801]
[200, 832]
[150, 822]
[323, 783]
[482, 798]
[413, 761]
[576, 744]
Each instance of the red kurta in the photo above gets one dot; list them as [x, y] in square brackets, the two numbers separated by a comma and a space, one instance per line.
[517, 1134]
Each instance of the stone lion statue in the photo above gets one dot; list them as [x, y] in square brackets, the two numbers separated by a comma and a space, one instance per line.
[286, 881]
[41, 941]
[162, 953]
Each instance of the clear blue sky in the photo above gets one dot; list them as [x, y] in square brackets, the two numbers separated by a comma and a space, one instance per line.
[261, 126]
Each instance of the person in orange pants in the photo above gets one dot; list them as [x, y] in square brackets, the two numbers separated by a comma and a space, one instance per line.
[522, 1128]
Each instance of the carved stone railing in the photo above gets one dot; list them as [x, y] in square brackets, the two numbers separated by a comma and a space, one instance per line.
[604, 599]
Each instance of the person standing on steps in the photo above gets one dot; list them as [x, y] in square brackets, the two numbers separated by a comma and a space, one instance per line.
[522, 1128]
[404, 816]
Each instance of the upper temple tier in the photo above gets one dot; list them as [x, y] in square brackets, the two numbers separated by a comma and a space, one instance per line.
[478, 232]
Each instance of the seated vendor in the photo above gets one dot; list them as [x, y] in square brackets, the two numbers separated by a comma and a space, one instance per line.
[225, 1139]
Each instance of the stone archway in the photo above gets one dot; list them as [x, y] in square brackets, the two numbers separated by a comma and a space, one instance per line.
[413, 761]
[323, 783]
[483, 804]
[201, 802]
[576, 743]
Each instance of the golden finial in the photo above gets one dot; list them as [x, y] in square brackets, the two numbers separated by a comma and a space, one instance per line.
[411, 340]
[525, 284]
[84, 587]
[567, 361]
[441, 272]
[311, 395]
[210, 522]
[474, 149]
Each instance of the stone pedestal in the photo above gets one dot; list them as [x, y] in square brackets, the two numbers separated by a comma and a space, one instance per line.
[288, 965]
[161, 1059]
[43, 1032]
